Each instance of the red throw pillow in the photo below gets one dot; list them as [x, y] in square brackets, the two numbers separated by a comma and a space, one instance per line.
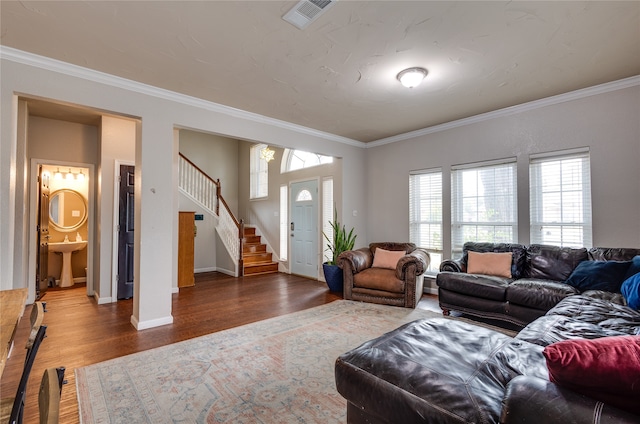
[605, 369]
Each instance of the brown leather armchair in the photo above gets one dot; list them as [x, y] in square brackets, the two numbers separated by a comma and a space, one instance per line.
[399, 287]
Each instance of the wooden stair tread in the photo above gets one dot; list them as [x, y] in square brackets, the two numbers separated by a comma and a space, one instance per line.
[256, 259]
[261, 268]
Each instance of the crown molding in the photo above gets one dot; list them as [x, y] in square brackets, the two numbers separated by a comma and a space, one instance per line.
[30, 59]
[512, 110]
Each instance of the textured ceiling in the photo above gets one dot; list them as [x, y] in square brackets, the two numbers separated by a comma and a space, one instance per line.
[338, 75]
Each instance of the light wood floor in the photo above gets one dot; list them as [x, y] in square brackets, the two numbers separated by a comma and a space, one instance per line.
[80, 332]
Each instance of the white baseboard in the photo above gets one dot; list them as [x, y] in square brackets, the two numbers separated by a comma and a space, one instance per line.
[102, 300]
[227, 272]
[143, 325]
[207, 269]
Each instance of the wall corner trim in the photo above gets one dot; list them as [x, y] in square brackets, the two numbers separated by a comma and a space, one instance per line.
[512, 110]
[30, 59]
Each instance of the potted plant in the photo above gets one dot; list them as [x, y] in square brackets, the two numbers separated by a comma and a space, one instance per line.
[341, 242]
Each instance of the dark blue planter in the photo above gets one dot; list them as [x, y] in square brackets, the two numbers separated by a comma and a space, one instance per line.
[333, 276]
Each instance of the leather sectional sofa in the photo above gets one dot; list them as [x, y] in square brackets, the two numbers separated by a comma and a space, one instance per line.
[444, 370]
[536, 284]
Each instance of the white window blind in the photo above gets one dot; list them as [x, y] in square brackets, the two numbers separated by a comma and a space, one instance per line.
[284, 219]
[425, 214]
[560, 199]
[327, 215]
[484, 204]
[259, 173]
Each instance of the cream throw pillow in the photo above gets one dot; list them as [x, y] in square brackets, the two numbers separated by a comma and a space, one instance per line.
[387, 258]
[490, 263]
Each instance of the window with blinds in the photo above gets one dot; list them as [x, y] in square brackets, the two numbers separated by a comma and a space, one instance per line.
[425, 214]
[259, 173]
[560, 198]
[484, 204]
[327, 216]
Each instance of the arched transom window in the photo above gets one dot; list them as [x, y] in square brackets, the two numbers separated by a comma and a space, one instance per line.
[304, 196]
[293, 160]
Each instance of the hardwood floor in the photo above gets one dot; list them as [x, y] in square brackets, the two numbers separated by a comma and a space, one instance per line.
[80, 332]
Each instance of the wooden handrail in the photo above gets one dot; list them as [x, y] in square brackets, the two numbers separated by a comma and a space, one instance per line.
[216, 182]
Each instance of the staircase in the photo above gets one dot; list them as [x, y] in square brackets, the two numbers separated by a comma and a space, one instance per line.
[255, 257]
[248, 253]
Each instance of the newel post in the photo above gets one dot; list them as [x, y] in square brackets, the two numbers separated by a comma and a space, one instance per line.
[241, 237]
[218, 193]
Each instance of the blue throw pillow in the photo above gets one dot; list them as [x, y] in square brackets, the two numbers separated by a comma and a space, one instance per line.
[599, 275]
[631, 291]
[634, 268]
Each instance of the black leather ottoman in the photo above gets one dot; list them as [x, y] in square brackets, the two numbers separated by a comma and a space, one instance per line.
[437, 371]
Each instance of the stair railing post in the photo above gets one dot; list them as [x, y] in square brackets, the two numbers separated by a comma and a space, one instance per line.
[241, 237]
[218, 193]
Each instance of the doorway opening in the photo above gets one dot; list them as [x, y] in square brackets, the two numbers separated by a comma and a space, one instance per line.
[125, 227]
[61, 216]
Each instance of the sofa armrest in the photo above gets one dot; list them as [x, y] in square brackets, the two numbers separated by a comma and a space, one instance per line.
[356, 260]
[452, 266]
[532, 400]
[418, 257]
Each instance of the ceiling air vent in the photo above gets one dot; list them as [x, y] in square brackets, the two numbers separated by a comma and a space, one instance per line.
[306, 11]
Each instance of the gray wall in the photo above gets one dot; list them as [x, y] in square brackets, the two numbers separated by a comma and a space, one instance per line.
[609, 124]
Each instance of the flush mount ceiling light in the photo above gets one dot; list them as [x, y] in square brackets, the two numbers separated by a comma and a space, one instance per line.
[267, 154]
[412, 77]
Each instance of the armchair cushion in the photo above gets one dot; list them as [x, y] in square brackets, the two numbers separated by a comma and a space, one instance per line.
[387, 258]
[378, 279]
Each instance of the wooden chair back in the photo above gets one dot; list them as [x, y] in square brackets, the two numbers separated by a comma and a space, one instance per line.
[49, 395]
[37, 316]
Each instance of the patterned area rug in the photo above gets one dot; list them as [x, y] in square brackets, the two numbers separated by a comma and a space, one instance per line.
[279, 370]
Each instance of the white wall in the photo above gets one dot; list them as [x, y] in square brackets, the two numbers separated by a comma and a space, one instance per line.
[155, 159]
[608, 123]
[117, 147]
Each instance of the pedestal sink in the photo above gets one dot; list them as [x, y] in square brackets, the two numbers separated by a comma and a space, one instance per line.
[67, 248]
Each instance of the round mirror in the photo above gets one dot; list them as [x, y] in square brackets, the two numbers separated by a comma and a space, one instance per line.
[67, 209]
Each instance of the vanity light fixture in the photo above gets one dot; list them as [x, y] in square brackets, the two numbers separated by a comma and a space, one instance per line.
[412, 77]
[267, 154]
[70, 176]
[80, 176]
[57, 175]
